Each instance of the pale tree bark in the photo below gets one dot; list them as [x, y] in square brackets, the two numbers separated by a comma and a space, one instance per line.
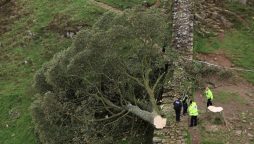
[151, 117]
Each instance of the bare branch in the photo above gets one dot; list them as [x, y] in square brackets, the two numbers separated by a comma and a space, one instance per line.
[108, 118]
[157, 81]
[135, 79]
[117, 119]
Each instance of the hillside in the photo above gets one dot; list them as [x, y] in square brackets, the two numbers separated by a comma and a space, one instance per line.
[31, 32]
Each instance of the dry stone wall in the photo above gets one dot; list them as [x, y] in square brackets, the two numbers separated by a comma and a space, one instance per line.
[182, 42]
[182, 38]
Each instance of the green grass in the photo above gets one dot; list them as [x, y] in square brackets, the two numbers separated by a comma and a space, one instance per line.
[18, 46]
[124, 4]
[218, 137]
[225, 97]
[238, 45]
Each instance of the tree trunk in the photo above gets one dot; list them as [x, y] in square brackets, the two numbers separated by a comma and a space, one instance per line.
[151, 117]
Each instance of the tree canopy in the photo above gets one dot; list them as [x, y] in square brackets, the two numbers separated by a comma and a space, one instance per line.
[84, 91]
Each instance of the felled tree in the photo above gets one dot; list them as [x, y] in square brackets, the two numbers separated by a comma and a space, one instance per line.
[111, 74]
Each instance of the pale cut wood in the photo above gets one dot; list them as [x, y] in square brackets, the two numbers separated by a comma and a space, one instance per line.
[152, 117]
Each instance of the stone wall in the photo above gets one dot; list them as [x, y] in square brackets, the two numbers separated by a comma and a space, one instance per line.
[182, 38]
[182, 42]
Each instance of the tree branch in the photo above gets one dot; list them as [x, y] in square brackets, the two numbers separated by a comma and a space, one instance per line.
[157, 81]
[108, 118]
[135, 79]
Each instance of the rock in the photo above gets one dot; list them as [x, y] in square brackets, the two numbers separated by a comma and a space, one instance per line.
[70, 34]
[164, 141]
[157, 140]
[250, 135]
[249, 94]
[30, 33]
[238, 132]
[28, 61]
[14, 113]
[165, 95]
[25, 62]
[212, 128]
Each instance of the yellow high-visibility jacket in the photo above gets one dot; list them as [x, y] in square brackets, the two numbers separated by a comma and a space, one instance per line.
[209, 94]
[193, 109]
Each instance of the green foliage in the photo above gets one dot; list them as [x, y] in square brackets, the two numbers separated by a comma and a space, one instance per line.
[124, 4]
[97, 77]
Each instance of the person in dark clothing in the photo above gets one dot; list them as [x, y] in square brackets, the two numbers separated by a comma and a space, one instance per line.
[178, 108]
[185, 105]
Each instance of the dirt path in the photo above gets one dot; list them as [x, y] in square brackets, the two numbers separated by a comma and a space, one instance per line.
[236, 96]
[106, 7]
[195, 135]
[194, 131]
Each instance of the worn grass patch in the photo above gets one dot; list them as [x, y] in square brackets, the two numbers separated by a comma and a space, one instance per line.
[225, 97]
[124, 4]
[187, 137]
[216, 137]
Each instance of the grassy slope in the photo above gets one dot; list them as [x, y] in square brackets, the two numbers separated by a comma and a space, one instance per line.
[18, 46]
[123, 4]
[238, 44]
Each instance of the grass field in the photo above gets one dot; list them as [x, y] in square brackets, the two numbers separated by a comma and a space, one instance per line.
[225, 97]
[31, 41]
[238, 44]
[33, 38]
